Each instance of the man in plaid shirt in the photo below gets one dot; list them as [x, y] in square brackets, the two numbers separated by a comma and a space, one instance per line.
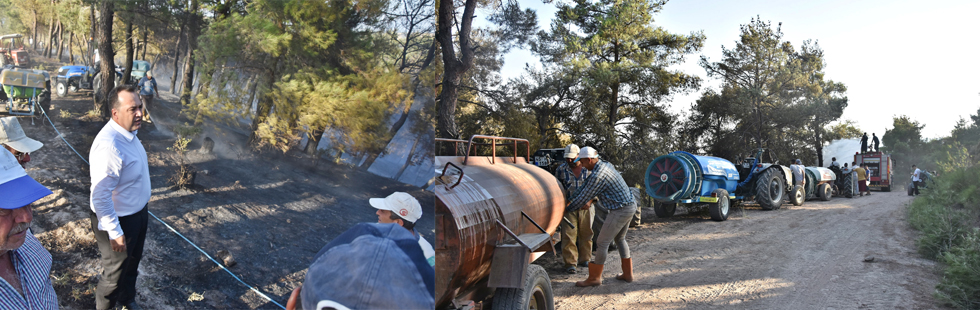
[576, 242]
[606, 183]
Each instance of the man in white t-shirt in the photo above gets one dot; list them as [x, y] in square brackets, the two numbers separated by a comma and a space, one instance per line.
[403, 209]
[916, 180]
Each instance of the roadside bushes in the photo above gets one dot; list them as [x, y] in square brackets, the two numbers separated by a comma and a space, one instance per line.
[948, 217]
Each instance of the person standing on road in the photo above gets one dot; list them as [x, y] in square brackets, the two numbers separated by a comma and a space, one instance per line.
[862, 179]
[148, 88]
[855, 187]
[120, 193]
[916, 180]
[25, 266]
[403, 209]
[867, 178]
[875, 142]
[14, 139]
[606, 183]
[864, 143]
[576, 243]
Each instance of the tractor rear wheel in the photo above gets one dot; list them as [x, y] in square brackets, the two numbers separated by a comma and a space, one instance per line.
[797, 196]
[845, 188]
[536, 293]
[719, 210]
[769, 189]
[824, 191]
[664, 210]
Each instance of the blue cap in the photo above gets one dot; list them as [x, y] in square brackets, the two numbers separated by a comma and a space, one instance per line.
[17, 188]
[371, 266]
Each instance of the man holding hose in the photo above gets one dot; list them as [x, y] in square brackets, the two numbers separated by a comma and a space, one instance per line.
[606, 183]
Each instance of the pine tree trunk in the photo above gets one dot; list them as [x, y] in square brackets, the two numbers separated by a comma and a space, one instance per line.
[192, 32]
[34, 33]
[71, 56]
[51, 25]
[144, 43]
[61, 39]
[128, 66]
[313, 141]
[173, 77]
[107, 67]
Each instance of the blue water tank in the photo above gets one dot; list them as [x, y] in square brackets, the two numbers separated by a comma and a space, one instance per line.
[681, 175]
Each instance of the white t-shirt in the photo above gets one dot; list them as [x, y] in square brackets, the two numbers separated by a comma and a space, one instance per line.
[430, 254]
[915, 175]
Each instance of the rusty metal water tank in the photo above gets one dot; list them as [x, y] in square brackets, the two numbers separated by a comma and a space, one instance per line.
[476, 197]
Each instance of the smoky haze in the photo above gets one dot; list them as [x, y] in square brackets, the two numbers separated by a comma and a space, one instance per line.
[843, 149]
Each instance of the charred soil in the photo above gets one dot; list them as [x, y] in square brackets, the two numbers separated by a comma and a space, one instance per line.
[270, 211]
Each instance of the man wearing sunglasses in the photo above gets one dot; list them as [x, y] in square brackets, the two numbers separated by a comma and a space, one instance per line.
[14, 140]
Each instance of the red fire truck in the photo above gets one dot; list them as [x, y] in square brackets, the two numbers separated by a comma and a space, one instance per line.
[880, 165]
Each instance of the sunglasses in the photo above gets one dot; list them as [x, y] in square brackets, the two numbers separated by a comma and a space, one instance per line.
[20, 156]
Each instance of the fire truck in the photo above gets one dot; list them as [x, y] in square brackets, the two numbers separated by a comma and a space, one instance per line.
[881, 168]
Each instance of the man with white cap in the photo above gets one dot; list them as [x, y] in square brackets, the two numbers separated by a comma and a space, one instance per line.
[24, 264]
[403, 209]
[14, 139]
[576, 243]
[370, 266]
[606, 183]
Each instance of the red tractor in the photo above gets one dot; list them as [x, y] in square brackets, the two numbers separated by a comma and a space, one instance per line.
[12, 51]
[880, 165]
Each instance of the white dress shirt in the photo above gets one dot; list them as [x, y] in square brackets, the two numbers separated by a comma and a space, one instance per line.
[120, 177]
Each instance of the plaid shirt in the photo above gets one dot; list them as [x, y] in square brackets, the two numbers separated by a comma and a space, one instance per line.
[606, 183]
[567, 178]
[33, 264]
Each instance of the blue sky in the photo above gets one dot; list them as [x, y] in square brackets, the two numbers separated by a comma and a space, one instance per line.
[896, 57]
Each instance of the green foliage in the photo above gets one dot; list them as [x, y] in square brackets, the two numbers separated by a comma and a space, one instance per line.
[946, 211]
[773, 96]
[960, 285]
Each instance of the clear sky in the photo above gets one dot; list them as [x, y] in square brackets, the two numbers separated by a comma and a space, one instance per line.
[896, 57]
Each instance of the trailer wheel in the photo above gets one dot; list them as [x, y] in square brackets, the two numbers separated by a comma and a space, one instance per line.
[797, 196]
[536, 293]
[769, 189]
[911, 189]
[823, 190]
[719, 210]
[664, 210]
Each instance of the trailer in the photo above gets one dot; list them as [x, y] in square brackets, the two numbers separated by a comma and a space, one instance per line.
[495, 215]
[881, 170]
[684, 178]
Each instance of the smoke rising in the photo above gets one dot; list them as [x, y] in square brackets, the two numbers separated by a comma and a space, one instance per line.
[843, 149]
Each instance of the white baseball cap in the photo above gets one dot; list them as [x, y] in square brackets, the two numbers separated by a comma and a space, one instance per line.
[11, 134]
[571, 151]
[18, 188]
[401, 203]
[588, 152]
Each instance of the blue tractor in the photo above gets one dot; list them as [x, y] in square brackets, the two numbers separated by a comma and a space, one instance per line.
[684, 178]
[73, 79]
[76, 78]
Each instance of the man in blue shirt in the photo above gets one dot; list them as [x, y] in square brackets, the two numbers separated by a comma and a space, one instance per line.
[606, 183]
[148, 89]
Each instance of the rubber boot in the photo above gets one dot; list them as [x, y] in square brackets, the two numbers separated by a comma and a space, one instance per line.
[595, 276]
[627, 270]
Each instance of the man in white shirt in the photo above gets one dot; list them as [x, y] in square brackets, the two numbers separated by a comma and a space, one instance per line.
[916, 180]
[403, 209]
[120, 191]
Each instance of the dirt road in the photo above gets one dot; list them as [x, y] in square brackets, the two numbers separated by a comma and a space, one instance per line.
[807, 257]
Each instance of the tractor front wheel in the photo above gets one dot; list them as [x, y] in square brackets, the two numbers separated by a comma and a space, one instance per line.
[62, 89]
